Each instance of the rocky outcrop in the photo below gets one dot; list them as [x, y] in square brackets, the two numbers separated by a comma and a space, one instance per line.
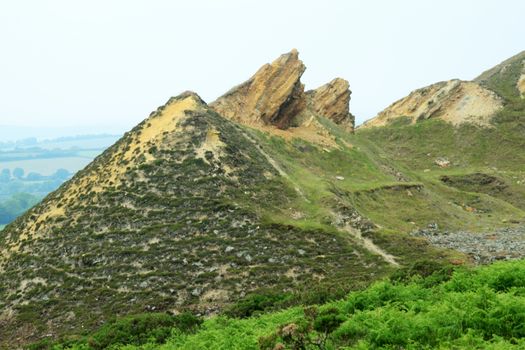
[332, 101]
[453, 101]
[274, 95]
[521, 84]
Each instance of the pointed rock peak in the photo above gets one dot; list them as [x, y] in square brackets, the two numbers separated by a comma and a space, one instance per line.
[188, 96]
[332, 101]
[274, 95]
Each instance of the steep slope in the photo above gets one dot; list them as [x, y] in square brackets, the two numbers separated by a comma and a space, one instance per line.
[187, 210]
[500, 69]
[458, 102]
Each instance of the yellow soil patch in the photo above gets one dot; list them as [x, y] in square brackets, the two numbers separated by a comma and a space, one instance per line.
[521, 85]
[213, 144]
[215, 295]
[454, 101]
[309, 130]
[36, 280]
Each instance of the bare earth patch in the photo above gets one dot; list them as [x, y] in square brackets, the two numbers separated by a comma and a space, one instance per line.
[454, 101]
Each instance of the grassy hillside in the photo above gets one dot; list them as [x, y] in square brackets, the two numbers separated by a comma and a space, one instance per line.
[482, 182]
[192, 219]
[427, 306]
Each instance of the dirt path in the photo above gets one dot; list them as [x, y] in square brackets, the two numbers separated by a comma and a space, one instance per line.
[369, 245]
[355, 233]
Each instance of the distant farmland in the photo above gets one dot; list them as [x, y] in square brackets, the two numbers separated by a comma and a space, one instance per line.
[48, 166]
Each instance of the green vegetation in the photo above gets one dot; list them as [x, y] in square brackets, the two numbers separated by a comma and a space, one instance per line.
[483, 186]
[418, 146]
[425, 306]
[15, 206]
[30, 169]
[178, 233]
[272, 235]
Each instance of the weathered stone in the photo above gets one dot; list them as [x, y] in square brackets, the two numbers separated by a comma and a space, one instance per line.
[332, 101]
[454, 101]
[274, 95]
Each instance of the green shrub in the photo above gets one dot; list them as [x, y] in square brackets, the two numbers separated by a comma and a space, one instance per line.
[256, 303]
[142, 329]
[434, 272]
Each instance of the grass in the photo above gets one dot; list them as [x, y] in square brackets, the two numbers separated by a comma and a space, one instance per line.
[426, 306]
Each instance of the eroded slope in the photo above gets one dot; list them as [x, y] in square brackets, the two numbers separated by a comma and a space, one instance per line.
[177, 214]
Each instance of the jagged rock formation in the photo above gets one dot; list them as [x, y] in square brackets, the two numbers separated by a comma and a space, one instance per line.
[520, 85]
[332, 101]
[454, 101]
[274, 95]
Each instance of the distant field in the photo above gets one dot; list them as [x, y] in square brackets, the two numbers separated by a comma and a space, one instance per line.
[2, 227]
[99, 142]
[48, 166]
[89, 153]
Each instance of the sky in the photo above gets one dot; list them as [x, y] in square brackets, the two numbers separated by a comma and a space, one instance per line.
[104, 65]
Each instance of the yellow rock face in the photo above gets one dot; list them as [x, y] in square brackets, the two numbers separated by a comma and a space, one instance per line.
[521, 85]
[332, 101]
[454, 101]
[274, 95]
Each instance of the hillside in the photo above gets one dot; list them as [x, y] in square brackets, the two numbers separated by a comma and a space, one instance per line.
[453, 101]
[266, 191]
[186, 211]
[484, 163]
[427, 308]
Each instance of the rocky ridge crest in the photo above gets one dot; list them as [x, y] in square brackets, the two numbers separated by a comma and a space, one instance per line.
[275, 96]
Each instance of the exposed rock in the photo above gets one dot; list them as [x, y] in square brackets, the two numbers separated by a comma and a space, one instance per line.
[332, 101]
[454, 101]
[521, 83]
[501, 244]
[442, 162]
[274, 95]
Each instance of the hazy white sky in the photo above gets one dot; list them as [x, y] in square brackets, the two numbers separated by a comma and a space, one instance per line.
[110, 63]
